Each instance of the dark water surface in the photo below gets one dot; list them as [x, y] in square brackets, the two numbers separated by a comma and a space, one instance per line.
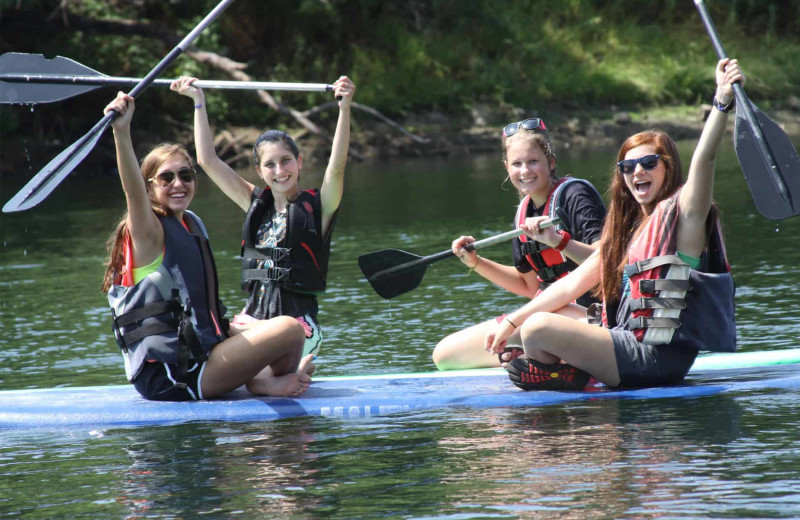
[724, 456]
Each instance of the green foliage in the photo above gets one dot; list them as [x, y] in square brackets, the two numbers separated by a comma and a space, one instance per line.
[418, 56]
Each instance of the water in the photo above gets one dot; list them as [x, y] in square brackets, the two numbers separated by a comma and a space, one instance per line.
[724, 456]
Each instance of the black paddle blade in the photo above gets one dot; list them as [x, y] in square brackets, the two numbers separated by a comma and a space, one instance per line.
[43, 183]
[775, 189]
[397, 282]
[20, 92]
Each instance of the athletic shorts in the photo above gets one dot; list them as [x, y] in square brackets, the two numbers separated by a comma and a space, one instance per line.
[157, 382]
[649, 365]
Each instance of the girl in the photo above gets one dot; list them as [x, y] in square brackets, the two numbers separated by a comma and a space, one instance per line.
[287, 231]
[661, 270]
[161, 285]
[541, 256]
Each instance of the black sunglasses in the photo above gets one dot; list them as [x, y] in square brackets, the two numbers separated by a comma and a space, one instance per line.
[533, 123]
[648, 162]
[167, 177]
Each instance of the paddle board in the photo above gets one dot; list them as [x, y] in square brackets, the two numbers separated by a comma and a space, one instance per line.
[374, 395]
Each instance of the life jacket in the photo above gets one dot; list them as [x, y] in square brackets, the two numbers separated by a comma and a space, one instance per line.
[173, 315]
[301, 264]
[671, 303]
[549, 264]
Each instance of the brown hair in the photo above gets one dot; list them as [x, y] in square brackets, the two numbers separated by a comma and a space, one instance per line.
[149, 167]
[625, 216]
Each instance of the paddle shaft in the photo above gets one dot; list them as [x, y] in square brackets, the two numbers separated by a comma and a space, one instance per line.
[56, 170]
[103, 81]
[743, 104]
[472, 246]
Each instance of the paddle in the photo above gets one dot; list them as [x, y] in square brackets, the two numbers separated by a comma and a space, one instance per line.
[392, 272]
[44, 182]
[32, 78]
[768, 158]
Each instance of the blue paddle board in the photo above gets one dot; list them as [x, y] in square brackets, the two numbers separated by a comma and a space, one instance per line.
[374, 395]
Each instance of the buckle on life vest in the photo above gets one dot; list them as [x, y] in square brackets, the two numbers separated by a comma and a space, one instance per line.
[651, 286]
[548, 275]
[276, 274]
[642, 322]
[276, 254]
[657, 303]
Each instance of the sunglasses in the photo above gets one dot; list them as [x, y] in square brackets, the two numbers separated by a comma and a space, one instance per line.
[533, 123]
[648, 162]
[167, 177]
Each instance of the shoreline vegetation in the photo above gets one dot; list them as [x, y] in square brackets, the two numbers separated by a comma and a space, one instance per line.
[434, 77]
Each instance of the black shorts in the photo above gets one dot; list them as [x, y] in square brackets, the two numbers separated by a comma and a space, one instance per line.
[642, 365]
[157, 382]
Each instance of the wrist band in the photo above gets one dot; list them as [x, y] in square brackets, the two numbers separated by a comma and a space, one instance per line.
[565, 238]
[724, 108]
[198, 106]
[511, 322]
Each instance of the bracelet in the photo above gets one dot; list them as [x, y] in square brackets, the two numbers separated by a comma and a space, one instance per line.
[477, 263]
[198, 106]
[724, 108]
[565, 238]
[511, 322]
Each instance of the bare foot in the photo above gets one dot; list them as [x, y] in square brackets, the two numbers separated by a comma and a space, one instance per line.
[306, 365]
[289, 385]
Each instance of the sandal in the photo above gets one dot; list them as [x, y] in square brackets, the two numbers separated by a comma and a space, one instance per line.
[529, 374]
[514, 351]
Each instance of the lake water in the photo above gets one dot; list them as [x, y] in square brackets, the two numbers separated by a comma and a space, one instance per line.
[724, 456]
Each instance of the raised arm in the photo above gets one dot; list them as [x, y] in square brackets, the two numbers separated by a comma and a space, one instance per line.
[333, 182]
[145, 230]
[236, 188]
[695, 201]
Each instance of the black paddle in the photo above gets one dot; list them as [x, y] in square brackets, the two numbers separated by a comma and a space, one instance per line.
[768, 158]
[32, 78]
[392, 272]
[43, 183]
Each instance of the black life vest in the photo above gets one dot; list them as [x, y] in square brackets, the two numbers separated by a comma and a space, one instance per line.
[301, 263]
[173, 315]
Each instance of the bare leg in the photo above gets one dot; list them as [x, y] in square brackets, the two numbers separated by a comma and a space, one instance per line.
[267, 383]
[464, 349]
[550, 338]
[275, 343]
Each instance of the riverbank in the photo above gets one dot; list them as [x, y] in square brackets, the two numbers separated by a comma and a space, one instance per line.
[435, 135]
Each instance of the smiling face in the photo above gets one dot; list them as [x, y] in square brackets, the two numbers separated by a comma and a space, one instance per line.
[279, 168]
[177, 195]
[645, 185]
[529, 168]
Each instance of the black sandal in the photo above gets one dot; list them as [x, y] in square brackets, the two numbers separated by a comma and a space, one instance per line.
[515, 353]
[529, 374]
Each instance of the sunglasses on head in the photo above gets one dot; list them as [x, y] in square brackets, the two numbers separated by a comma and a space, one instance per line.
[648, 162]
[533, 123]
[167, 177]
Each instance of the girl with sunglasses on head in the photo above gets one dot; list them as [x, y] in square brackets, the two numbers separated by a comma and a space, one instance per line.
[661, 271]
[287, 231]
[543, 254]
[161, 282]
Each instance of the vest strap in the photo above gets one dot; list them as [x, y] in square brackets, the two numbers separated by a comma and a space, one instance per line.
[147, 311]
[651, 286]
[658, 303]
[276, 254]
[551, 274]
[277, 274]
[642, 322]
[651, 263]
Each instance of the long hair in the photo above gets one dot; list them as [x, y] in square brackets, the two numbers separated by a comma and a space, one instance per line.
[625, 216]
[115, 266]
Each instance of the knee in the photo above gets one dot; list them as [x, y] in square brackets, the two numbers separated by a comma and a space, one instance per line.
[536, 328]
[441, 352]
